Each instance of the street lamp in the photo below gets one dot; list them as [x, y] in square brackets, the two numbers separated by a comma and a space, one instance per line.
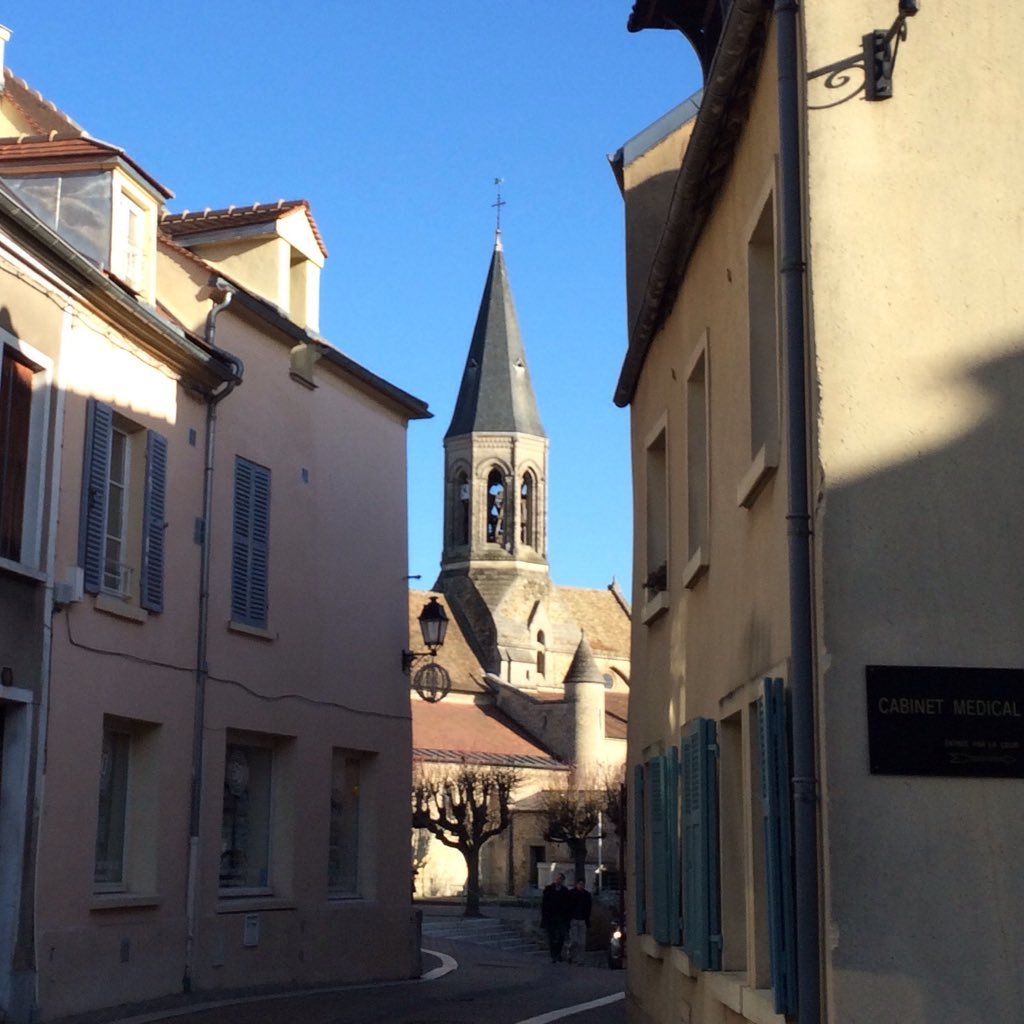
[432, 682]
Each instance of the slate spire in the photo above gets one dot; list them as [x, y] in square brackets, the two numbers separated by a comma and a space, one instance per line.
[496, 394]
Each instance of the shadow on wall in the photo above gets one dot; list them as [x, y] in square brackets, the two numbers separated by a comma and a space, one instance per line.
[925, 883]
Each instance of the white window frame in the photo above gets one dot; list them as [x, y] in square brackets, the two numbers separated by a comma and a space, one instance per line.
[30, 560]
[133, 237]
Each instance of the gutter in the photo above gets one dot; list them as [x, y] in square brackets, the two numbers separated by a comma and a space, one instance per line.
[792, 272]
[202, 631]
[410, 406]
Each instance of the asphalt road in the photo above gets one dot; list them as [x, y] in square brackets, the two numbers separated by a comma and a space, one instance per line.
[463, 983]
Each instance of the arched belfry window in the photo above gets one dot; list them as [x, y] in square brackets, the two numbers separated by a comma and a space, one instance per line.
[495, 507]
[460, 509]
[541, 653]
[527, 516]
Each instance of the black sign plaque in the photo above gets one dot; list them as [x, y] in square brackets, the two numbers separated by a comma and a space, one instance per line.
[946, 721]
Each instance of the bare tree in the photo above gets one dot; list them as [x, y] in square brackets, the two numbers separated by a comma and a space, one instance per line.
[572, 816]
[462, 807]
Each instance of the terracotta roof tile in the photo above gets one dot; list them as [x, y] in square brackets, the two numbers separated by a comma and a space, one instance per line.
[616, 714]
[182, 225]
[34, 150]
[43, 115]
[464, 729]
[602, 617]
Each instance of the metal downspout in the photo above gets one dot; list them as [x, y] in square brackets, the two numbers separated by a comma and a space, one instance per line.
[202, 668]
[792, 273]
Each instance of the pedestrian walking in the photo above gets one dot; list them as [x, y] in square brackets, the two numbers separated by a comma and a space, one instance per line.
[580, 903]
[554, 915]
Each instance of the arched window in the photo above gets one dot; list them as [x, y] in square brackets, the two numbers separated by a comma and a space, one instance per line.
[541, 653]
[495, 507]
[526, 511]
[460, 509]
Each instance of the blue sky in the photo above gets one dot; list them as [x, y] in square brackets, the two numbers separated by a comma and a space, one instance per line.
[393, 121]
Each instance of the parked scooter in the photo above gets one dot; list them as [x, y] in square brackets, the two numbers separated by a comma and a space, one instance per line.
[616, 946]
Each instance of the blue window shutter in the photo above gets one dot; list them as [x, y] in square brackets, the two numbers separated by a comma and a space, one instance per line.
[639, 851]
[674, 884]
[250, 543]
[702, 937]
[154, 512]
[92, 521]
[659, 850]
[778, 844]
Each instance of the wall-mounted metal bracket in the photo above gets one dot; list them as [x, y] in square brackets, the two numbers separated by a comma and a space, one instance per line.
[880, 48]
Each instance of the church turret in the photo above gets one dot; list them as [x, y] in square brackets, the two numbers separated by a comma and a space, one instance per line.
[496, 451]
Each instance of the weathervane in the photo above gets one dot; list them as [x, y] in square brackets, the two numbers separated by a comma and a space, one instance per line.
[499, 203]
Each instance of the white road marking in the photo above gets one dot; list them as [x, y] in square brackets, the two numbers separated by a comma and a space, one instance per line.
[568, 1011]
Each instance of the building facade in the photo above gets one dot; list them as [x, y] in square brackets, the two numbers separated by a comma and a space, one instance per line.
[205, 742]
[824, 745]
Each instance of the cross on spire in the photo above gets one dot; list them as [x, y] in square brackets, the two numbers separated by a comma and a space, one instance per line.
[498, 203]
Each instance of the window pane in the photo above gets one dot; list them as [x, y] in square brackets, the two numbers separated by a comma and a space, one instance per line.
[110, 821]
[15, 419]
[245, 826]
[343, 863]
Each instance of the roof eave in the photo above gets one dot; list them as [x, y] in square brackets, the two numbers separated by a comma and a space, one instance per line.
[723, 112]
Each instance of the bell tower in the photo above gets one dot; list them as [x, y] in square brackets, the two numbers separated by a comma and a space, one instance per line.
[495, 449]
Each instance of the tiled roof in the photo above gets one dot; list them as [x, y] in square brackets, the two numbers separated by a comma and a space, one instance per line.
[461, 730]
[600, 615]
[187, 223]
[43, 115]
[616, 715]
[68, 149]
[498, 760]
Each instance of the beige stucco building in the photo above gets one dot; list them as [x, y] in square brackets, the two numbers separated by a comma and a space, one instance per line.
[206, 736]
[825, 740]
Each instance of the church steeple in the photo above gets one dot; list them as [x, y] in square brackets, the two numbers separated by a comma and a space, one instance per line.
[496, 393]
[495, 447]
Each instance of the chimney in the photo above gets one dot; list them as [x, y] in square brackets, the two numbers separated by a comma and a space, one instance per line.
[5, 35]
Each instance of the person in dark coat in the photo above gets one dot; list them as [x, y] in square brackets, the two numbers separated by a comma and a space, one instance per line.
[579, 921]
[554, 915]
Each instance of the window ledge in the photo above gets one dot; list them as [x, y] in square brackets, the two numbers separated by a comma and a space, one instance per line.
[655, 606]
[121, 609]
[763, 467]
[256, 631]
[681, 962]
[228, 904]
[20, 569]
[345, 897]
[123, 901]
[650, 946]
[695, 568]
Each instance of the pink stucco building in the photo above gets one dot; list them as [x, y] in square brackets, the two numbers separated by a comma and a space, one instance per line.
[206, 737]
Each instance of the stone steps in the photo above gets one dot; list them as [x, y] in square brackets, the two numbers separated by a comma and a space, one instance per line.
[483, 931]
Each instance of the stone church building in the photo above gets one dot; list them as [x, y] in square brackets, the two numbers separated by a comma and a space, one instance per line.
[540, 672]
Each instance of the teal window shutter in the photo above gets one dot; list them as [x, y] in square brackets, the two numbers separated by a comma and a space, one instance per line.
[92, 521]
[702, 937]
[778, 844]
[674, 885]
[659, 850]
[639, 851]
[154, 510]
[250, 536]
